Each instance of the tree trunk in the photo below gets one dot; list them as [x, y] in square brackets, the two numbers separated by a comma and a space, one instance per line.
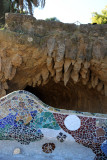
[4, 8]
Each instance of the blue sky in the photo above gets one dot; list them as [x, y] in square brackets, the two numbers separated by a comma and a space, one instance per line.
[69, 11]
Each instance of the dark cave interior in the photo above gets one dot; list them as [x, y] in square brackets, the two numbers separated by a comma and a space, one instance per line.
[71, 97]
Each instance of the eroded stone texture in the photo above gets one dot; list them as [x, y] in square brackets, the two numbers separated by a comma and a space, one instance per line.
[44, 55]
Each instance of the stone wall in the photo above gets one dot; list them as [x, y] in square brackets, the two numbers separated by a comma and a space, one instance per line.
[48, 54]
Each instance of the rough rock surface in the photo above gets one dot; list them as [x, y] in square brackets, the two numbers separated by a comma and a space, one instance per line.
[63, 64]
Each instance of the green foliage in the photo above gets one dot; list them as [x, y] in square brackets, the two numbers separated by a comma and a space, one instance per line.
[100, 18]
[52, 19]
[1, 28]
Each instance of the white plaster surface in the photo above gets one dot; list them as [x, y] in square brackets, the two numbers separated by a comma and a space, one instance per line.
[52, 134]
[72, 122]
[67, 150]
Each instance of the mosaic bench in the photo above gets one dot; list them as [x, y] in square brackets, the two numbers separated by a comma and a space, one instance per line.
[28, 123]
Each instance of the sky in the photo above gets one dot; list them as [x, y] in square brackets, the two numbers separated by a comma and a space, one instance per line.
[70, 11]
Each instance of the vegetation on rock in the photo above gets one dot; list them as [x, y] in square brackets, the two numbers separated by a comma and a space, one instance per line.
[52, 19]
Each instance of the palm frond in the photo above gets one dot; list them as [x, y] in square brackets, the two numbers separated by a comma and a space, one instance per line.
[20, 6]
[30, 6]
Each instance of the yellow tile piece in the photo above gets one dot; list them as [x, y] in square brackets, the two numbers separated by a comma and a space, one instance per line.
[28, 120]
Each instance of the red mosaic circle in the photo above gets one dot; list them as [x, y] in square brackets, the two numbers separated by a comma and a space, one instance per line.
[48, 147]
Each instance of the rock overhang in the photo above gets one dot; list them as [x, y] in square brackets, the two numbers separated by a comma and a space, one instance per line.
[35, 53]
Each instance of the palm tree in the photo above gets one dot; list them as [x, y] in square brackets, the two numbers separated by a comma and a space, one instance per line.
[25, 5]
[4, 7]
[19, 6]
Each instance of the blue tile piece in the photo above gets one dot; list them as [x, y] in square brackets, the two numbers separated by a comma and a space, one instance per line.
[104, 147]
[24, 117]
[20, 92]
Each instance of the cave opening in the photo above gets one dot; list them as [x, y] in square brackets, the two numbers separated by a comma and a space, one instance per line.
[71, 97]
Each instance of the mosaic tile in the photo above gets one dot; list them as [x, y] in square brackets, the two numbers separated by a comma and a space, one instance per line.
[104, 147]
[23, 115]
[61, 137]
[72, 122]
[100, 132]
[86, 134]
[24, 134]
[48, 147]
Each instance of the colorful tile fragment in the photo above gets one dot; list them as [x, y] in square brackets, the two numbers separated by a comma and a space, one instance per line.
[23, 115]
[86, 134]
[48, 147]
[61, 137]
[104, 147]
